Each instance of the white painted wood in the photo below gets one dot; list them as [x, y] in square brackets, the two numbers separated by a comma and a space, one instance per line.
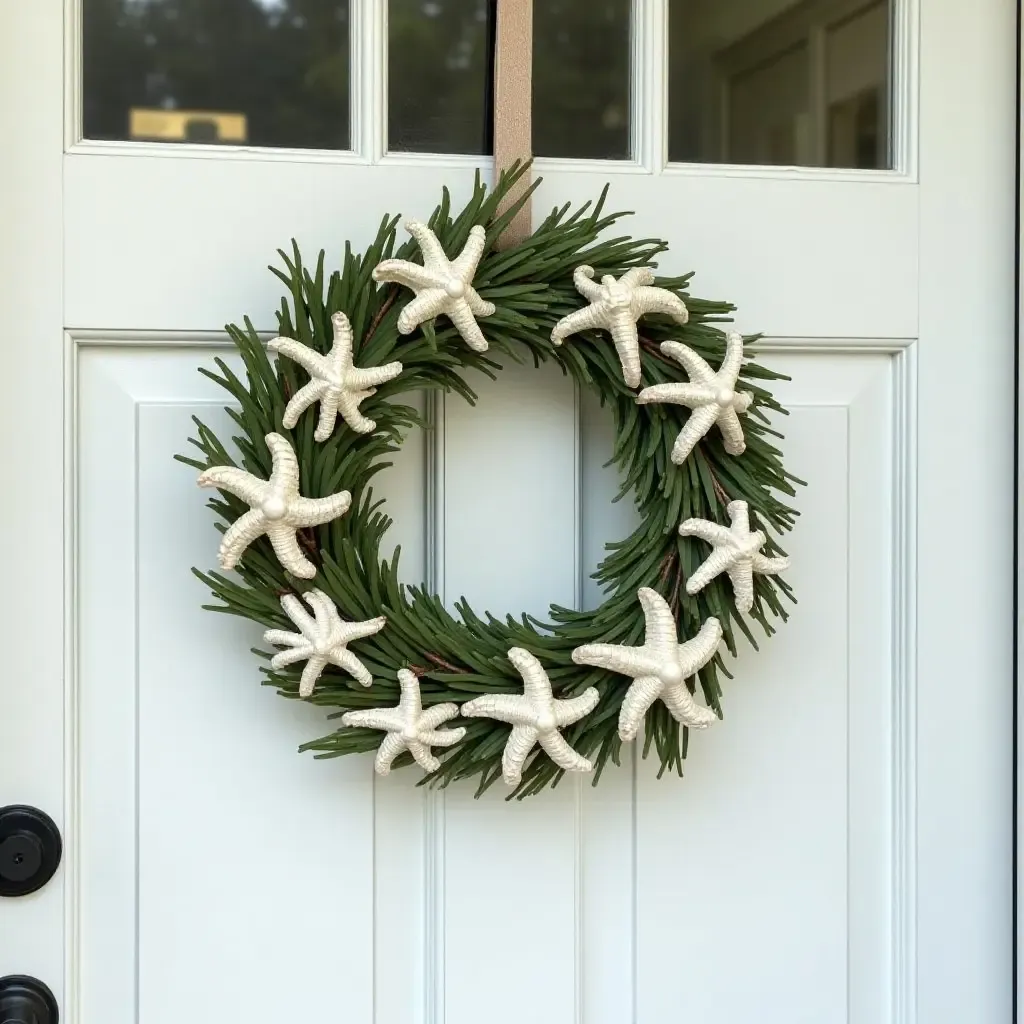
[839, 850]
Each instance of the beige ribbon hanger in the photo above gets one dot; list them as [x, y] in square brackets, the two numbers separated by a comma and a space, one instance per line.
[513, 77]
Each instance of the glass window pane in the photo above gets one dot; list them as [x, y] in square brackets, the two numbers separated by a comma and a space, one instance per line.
[256, 72]
[440, 55]
[780, 82]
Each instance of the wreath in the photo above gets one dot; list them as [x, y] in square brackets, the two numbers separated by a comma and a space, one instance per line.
[302, 530]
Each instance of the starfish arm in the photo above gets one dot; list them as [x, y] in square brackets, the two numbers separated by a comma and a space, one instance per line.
[422, 756]
[434, 255]
[685, 710]
[504, 707]
[713, 533]
[563, 755]
[442, 737]
[390, 747]
[716, 563]
[769, 566]
[313, 511]
[629, 661]
[697, 652]
[480, 307]
[433, 717]
[517, 749]
[294, 654]
[465, 323]
[345, 659]
[312, 391]
[360, 378]
[289, 554]
[358, 630]
[637, 277]
[296, 611]
[697, 368]
[583, 279]
[733, 361]
[627, 346]
[239, 535]
[384, 719]
[329, 400]
[430, 302]
[325, 615]
[732, 432]
[743, 401]
[251, 489]
[700, 422]
[464, 265]
[659, 300]
[639, 697]
[310, 674]
[741, 576]
[341, 350]
[572, 709]
[409, 275]
[536, 685]
[676, 393]
[582, 320]
[739, 516]
[348, 404]
[284, 479]
[283, 638]
[660, 624]
[309, 359]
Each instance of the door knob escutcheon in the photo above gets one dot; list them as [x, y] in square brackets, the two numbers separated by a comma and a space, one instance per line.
[30, 851]
[25, 1000]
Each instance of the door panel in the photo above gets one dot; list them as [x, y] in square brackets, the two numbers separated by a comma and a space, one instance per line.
[839, 850]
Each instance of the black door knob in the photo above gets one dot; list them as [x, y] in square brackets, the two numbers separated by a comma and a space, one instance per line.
[30, 850]
[25, 1000]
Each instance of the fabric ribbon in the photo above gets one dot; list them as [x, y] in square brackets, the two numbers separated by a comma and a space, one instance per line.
[513, 75]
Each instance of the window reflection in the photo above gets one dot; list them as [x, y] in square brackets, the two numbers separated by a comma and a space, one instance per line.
[780, 82]
[263, 72]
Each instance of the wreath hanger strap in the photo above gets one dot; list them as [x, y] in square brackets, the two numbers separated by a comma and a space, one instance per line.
[513, 74]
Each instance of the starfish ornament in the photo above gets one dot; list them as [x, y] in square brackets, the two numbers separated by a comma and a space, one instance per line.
[322, 639]
[408, 726]
[659, 669]
[278, 510]
[334, 382]
[712, 397]
[535, 717]
[616, 306]
[737, 551]
[441, 285]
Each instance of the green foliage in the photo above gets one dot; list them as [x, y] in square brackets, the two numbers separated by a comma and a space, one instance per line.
[460, 656]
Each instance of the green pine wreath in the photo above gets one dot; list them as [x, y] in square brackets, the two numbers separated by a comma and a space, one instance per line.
[461, 657]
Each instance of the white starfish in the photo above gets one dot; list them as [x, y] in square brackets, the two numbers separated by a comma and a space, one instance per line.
[441, 285]
[535, 717]
[278, 510]
[659, 669]
[408, 726]
[334, 382]
[322, 639]
[712, 397]
[616, 306]
[737, 551]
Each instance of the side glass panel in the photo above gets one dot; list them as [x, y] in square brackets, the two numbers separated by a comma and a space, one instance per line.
[778, 82]
[439, 77]
[271, 73]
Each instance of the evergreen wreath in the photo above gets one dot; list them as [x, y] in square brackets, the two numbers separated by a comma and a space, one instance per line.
[410, 645]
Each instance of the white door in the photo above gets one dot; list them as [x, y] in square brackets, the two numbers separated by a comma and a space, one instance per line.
[840, 848]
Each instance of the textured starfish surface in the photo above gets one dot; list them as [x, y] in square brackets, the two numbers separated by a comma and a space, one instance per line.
[322, 639]
[333, 381]
[276, 509]
[659, 669]
[712, 397]
[737, 552]
[616, 306]
[441, 285]
[535, 717]
[408, 727]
